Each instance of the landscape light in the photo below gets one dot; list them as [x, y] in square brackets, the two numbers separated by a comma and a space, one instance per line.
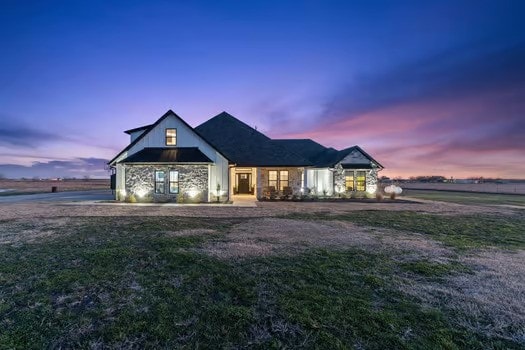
[193, 193]
[141, 192]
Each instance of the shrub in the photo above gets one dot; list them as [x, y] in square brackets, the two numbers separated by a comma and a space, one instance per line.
[360, 194]
[379, 196]
[393, 196]
[131, 198]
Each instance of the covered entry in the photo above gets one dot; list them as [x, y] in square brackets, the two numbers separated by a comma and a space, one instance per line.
[243, 180]
[244, 183]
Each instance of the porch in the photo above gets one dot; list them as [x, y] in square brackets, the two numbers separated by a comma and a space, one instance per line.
[258, 182]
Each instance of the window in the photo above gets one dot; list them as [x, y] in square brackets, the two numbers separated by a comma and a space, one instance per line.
[174, 181]
[171, 137]
[283, 179]
[360, 181]
[272, 179]
[159, 182]
[349, 181]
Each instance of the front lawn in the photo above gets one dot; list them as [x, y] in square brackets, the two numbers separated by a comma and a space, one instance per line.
[132, 282]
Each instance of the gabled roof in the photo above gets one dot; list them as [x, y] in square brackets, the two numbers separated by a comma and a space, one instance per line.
[306, 148]
[330, 157]
[245, 146]
[152, 126]
[168, 155]
[130, 131]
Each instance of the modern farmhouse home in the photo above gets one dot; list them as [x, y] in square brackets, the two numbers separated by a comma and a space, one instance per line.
[223, 157]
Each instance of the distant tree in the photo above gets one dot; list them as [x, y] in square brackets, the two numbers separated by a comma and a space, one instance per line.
[2, 176]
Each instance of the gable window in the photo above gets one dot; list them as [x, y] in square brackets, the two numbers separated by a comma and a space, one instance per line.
[283, 179]
[159, 182]
[360, 181]
[171, 137]
[349, 181]
[272, 179]
[174, 181]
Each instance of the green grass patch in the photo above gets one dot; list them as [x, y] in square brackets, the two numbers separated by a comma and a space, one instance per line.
[433, 269]
[460, 231]
[468, 197]
[114, 282]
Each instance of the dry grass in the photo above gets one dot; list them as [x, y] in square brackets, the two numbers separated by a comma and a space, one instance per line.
[263, 209]
[489, 301]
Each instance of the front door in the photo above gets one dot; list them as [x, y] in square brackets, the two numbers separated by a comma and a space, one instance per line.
[243, 183]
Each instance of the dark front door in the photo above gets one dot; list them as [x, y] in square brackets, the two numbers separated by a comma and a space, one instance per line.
[243, 181]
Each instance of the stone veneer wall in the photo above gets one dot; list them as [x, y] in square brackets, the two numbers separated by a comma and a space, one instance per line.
[191, 177]
[294, 179]
[339, 178]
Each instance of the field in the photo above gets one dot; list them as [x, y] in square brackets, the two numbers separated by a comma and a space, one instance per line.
[467, 198]
[489, 187]
[283, 275]
[9, 187]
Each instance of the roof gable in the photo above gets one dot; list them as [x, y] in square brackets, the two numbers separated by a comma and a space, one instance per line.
[153, 126]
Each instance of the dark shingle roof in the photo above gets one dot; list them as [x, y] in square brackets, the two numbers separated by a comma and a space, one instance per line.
[137, 129]
[306, 148]
[246, 146]
[168, 155]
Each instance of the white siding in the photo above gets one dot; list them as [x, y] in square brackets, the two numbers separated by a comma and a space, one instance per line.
[133, 136]
[319, 180]
[185, 138]
[355, 157]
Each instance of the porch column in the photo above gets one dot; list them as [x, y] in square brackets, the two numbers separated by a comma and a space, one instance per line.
[258, 187]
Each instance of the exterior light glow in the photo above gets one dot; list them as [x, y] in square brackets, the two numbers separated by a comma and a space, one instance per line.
[193, 193]
[141, 192]
[371, 189]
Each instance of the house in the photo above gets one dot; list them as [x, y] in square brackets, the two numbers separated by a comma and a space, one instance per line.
[223, 157]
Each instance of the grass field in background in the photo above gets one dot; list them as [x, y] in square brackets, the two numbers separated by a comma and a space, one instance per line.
[467, 197]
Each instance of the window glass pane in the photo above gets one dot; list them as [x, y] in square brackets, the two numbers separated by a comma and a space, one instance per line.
[284, 175]
[159, 175]
[174, 181]
[360, 181]
[349, 181]
[171, 137]
[159, 187]
[272, 175]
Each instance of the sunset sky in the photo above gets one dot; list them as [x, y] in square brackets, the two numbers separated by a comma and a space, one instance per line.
[426, 87]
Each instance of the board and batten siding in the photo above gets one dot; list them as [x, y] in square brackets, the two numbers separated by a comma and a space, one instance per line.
[319, 180]
[186, 137]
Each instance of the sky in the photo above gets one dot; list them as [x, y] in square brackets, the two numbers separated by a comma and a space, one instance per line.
[425, 87]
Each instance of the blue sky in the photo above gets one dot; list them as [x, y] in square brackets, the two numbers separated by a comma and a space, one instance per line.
[427, 87]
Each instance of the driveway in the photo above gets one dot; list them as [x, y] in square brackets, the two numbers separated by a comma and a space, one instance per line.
[67, 196]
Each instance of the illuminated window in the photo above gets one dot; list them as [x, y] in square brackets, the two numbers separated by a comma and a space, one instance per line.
[349, 180]
[360, 181]
[159, 182]
[171, 137]
[283, 179]
[272, 179]
[174, 181]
